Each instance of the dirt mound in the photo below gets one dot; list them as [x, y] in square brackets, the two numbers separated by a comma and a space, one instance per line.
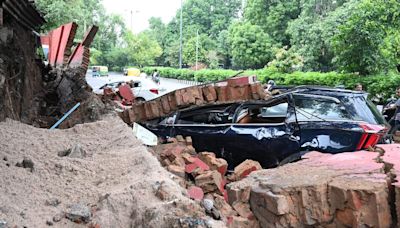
[96, 173]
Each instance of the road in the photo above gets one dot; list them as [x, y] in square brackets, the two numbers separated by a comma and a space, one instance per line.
[166, 85]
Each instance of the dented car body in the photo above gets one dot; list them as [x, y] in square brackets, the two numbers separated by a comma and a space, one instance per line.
[281, 129]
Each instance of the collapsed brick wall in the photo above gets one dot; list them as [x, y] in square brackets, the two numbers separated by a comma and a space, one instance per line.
[34, 94]
[223, 92]
[20, 72]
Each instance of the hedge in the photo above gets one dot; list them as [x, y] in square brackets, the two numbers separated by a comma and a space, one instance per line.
[380, 87]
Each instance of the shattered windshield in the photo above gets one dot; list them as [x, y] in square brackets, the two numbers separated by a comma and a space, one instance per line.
[320, 109]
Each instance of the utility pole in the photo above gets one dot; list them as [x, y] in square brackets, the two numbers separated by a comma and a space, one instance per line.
[197, 48]
[132, 21]
[180, 46]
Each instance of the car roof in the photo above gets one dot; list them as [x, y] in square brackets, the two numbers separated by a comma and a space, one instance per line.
[318, 90]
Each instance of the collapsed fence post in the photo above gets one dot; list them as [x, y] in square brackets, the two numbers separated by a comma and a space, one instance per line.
[65, 116]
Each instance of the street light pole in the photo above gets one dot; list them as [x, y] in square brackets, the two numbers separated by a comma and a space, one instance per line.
[132, 21]
[180, 46]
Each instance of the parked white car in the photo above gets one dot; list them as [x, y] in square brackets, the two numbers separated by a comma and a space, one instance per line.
[144, 89]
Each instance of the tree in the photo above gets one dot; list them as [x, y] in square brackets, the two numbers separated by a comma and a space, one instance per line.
[208, 16]
[359, 45]
[205, 46]
[311, 34]
[251, 46]
[141, 49]
[273, 16]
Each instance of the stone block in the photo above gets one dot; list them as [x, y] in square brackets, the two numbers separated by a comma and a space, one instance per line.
[223, 207]
[243, 209]
[195, 193]
[177, 170]
[222, 93]
[245, 168]
[214, 163]
[277, 204]
[209, 93]
[241, 222]
[210, 181]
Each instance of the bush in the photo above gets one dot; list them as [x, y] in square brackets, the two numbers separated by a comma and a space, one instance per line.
[380, 87]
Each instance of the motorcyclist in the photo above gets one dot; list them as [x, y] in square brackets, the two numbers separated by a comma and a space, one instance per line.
[395, 121]
[156, 76]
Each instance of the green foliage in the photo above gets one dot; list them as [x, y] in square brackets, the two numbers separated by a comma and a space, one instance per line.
[273, 16]
[141, 49]
[286, 61]
[359, 45]
[250, 45]
[380, 86]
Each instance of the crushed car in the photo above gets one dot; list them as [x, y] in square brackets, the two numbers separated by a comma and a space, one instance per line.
[281, 129]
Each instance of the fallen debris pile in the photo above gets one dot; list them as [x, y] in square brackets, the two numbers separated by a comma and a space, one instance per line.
[234, 89]
[96, 174]
[346, 190]
[32, 92]
[205, 178]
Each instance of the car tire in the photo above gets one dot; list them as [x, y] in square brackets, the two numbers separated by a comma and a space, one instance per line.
[140, 99]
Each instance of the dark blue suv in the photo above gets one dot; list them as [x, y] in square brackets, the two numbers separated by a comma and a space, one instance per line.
[281, 129]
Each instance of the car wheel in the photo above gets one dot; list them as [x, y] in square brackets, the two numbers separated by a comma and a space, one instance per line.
[140, 99]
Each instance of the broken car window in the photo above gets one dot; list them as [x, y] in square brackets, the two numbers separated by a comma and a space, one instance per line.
[263, 113]
[319, 109]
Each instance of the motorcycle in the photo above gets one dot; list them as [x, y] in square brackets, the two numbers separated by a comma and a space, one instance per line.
[389, 109]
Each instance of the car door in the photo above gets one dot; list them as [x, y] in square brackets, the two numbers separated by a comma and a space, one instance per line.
[324, 124]
[265, 137]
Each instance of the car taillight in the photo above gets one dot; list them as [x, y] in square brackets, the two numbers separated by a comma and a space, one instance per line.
[154, 91]
[371, 135]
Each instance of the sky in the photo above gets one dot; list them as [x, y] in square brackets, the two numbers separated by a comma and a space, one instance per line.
[142, 10]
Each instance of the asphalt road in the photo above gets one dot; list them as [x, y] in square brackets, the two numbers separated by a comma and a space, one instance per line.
[166, 85]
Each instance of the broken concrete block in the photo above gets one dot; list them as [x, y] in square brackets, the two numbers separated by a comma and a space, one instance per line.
[172, 152]
[222, 92]
[210, 181]
[276, 204]
[189, 141]
[243, 209]
[179, 161]
[78, 213]
[165, 105]
[177, 170]
[241, 222]
[195, 193]
[245, 168]
[180, 138]
[239, 93]
[209, 93]
[197, 165]
[214, 163]
[223, 207]
[190, 150]
[236, 194]
[187, 158]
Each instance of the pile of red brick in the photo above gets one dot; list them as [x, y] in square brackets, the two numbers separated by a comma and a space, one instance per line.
[235, 89]
[205, 176]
